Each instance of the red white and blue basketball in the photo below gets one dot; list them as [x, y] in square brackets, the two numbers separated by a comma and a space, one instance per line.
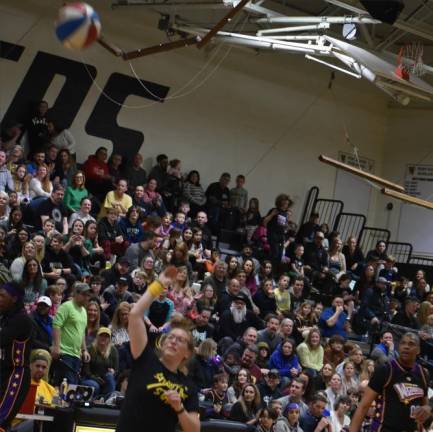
[78, 25]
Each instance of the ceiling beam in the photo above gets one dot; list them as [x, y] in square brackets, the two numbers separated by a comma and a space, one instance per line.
[408, 198]
[363, 174]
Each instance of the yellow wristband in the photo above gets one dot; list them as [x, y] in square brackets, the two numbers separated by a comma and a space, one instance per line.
[155, 288]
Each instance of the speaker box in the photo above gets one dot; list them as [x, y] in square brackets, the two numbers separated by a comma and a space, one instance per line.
[386, 11]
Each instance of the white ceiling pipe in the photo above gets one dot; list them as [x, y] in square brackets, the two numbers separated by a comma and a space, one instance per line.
[294, 37]
[333, 66]
[318, 20]
[293, 29]
[308, 48]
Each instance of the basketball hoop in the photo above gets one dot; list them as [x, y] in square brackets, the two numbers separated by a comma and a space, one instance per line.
[410, 61]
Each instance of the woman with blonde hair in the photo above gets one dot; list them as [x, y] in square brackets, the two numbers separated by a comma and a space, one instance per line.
[40, 185]
[16, 158]
[22, 183]
[28, 251]
[93, 320]
[100, 371]
[39, 242]
[348, 377]
[201, 368]
[337, 261]
[367, 370]
[119, 324]
[425, 309]
[311, 352]
[356, 356]
[181, 293]
[173, 404]
[305, 321]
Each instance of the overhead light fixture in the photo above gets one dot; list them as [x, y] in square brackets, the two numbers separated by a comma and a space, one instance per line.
[349, 31]
[386, 11]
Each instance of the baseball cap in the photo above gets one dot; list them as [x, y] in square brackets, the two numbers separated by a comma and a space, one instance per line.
[123, 260]
[382, 280]
[46, 300]
[241, 297]
[82, 288]
[274, 373]
[292, 406]
[104, 330]
[122, 281]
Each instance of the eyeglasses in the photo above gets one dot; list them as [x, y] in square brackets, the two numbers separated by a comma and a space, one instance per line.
[178, 339]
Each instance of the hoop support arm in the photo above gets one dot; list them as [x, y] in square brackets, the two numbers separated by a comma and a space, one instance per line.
[221, 23]
[408, 198]
[110, 47]
[155, 49]
[355, 171]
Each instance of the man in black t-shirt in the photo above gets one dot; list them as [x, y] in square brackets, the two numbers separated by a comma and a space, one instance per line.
[399, 387]
[57, 263]
[53, 208]
[216, 193]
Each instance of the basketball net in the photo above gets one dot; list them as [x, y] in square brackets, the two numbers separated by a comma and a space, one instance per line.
[410, 61]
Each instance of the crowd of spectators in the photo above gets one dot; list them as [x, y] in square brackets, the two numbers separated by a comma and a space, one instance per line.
[277, 325]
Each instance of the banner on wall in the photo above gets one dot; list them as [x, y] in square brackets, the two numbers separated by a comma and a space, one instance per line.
[362, 162]
[418, 181]
[416, 223]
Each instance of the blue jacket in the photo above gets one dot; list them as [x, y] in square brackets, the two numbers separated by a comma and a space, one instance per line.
[131, 233]
[283, 363]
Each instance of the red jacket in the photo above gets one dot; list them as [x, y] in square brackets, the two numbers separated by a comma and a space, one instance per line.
[94, 169]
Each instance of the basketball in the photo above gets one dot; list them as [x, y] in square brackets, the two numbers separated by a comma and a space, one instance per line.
[78, 25]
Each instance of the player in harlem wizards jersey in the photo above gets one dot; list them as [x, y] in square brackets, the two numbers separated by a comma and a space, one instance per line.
[400, 390]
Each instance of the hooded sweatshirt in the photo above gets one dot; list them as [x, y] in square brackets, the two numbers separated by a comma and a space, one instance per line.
[283, 363]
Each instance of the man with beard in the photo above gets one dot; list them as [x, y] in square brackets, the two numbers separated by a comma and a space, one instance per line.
[203, 330]
[238, 318]
[297, 295]
[248, 362]
[218, 279]
[270, 333]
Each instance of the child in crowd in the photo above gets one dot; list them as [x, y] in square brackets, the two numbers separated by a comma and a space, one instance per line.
[179, 221]
[282, 296]
[264, 355]
[217, 396]
[210, 262]
[185, 208]
[289, 421]
[297, 262]
[267, 419]
[138, 284]
[55, 293]
[163, 231]
[239, 195]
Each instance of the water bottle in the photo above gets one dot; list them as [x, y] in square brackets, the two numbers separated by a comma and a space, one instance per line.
[63, 391]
